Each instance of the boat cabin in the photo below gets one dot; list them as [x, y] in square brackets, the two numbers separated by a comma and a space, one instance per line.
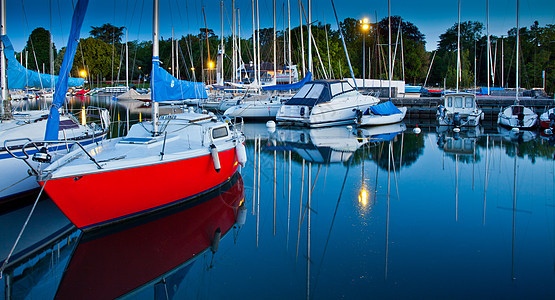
[463, 103]
[319, 91]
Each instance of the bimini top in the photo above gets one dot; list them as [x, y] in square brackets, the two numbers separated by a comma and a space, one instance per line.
[319, 91]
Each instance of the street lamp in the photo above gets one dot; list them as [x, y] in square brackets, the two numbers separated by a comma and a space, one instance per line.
[364, 26]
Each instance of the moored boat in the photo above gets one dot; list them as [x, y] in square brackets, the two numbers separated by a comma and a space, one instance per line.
[324, 103]
[547, 119]
[459, 109]
[381, 114]
[517, 116]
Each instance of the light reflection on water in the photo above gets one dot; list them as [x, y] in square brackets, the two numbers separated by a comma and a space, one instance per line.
[446, 215]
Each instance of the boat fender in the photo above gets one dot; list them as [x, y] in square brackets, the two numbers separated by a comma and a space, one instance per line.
[302, 112]
[417, 130]
[271, 124]
[241, 154]
[216, 240]
[241, 215]
[358, 114]
[456, 129]
[215, 157]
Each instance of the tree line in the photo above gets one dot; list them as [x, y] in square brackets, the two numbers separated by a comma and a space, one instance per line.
[102, 54]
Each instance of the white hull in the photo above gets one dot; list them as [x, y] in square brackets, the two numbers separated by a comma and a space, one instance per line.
[266, 108]
[369, 120]
[507, 118]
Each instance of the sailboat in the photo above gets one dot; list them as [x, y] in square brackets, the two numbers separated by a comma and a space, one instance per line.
[181, 156]
[516, 115]
[459, 109]
[17, 129]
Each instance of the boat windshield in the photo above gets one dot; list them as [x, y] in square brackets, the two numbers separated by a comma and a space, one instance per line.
[311, 94]
[469, 102]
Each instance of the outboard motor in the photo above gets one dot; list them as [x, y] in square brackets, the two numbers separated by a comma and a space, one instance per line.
[552, 121]
[456, 119]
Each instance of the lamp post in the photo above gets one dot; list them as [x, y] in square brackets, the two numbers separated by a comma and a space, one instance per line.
[364, 25]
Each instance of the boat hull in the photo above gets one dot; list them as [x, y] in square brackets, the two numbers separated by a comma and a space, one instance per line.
[370, 120]
[96, 199]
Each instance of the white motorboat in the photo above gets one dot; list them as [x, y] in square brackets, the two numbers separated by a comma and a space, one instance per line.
[381, 114]
[324, 103]
[547, 119]
[459, 109]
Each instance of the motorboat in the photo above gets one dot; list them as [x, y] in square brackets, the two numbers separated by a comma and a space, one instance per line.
[381, 114]
[517, 116]
[324, 103]
[459, 109]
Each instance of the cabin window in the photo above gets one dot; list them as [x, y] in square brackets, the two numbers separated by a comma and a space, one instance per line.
[315, 91]
[303, 91]
[219, 132]
[449, 101]
[458, 102]
[469, 103]
[347, 87]
[336, 89]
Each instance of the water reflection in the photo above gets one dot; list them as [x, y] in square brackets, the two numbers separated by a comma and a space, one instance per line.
[149, 257]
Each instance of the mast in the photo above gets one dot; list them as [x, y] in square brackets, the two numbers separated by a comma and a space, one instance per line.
[173, 59]
[488, 45]
[4, 81]
[155, 57]
[254, 42]
[234, 46]
[389, 45]
[459, 49]
[258, 40]
[221, 79]
[502, 64]
[127, 60]
[275, 56]
[239, 58]
[517, 49]
[302, 38]
[309, 36]
[289, 39]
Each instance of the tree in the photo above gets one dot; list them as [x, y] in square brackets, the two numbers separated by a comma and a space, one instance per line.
[38, 47]
[107, 33]
[96, 57]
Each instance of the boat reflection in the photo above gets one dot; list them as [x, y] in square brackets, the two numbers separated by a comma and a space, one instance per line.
[144, 257]
[461, 142]
[147, 257]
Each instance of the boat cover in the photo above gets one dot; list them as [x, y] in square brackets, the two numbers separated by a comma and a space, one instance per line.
[19, 77]
[292, 86]
[53, 123]
[165, 87]
[385, 109]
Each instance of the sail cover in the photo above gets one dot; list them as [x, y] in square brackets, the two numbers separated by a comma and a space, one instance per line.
[292, 86]
[53, 124]
[385, 109]
[165, 87]
[19, 77]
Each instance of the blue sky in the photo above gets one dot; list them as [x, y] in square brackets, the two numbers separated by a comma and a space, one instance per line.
[432, 17]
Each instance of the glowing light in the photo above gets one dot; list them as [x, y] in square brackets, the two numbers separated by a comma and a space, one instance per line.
[363, 197]
[210, 65]
[83, 73]
[365, 24]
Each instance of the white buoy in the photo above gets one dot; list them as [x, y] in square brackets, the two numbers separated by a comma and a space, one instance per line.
[456, 129]
[349, 127]
[215, 157]
[515, 130]
[271, 124]
[417, 130]
[548, 131]
[241, 154]
[241, 215]
[216, 240]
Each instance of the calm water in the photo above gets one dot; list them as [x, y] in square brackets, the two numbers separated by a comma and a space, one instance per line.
[330, 213]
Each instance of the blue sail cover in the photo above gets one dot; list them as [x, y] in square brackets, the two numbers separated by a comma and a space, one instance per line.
[385, 109]
[291, 86]
[53, 124]
[165, 87]
[19, 77]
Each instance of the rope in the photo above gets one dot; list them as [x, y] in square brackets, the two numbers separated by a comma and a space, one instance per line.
[14, 183]
[21, 232]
